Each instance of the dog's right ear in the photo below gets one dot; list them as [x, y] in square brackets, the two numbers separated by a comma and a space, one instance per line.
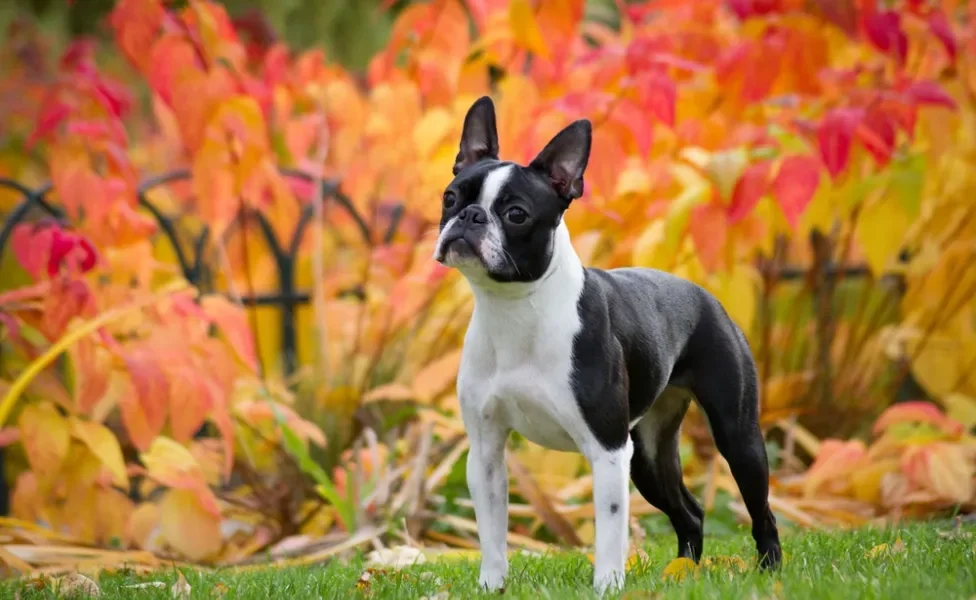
[479, 138]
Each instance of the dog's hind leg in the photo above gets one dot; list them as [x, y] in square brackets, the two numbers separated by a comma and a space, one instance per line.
[727, 390]
[656, 470]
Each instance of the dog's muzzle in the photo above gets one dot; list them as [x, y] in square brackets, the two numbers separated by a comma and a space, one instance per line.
[461, 236]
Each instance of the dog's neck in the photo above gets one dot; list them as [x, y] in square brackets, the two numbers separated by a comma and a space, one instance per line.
[561, 283]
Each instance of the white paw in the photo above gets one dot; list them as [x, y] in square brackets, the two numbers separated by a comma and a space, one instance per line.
[608, 582]
[492, 579]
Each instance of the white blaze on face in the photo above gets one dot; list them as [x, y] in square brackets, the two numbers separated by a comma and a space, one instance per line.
[491, 249]
[492, 244]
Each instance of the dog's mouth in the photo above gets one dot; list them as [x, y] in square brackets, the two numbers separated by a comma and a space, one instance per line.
[455, 248]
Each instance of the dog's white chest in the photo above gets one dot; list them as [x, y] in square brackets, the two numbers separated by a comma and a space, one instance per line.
[517, 368]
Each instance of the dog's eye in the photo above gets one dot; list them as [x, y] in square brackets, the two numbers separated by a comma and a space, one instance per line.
[449, 199]
[516, 215]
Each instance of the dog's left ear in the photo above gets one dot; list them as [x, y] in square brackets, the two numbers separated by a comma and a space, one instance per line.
[564, 159]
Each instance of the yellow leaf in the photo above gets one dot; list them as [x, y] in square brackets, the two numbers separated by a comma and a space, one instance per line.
[188, 527]
[432, 131]
[738, 291]
[46, 437]
[942, 362]
[726, 563]
[725, 168]
[950, 472]
[104, 445]
[526, 29]
[435, 378]
[679, 568]
[170, 462]
[866, 481]
[142, 524]
[391, 391]
[880, 231]
[962, 408]
[876, 551]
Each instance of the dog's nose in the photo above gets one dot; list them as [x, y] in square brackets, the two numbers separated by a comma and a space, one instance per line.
[474, 214]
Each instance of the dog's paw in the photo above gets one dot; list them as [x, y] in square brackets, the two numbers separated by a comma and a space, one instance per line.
[492, 580]
[608, 582]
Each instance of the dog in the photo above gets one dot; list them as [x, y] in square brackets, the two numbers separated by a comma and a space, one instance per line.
[602, 362]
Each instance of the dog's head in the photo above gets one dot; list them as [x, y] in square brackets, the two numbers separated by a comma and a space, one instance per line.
[499, 219]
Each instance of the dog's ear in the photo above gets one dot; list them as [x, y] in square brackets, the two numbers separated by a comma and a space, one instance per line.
[479, 139]
[564, 159]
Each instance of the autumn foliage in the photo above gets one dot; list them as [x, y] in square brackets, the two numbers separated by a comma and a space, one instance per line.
[160, 415]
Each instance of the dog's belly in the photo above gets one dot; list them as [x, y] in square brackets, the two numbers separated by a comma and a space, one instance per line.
[537, 424]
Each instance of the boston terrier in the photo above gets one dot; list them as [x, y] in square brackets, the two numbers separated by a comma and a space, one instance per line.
[602, 362]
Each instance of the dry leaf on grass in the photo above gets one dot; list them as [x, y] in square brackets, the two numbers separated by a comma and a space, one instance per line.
[886, 549]
[396, 557]
[77, 585]
[679, 568]
[160, 585]
[181, 589]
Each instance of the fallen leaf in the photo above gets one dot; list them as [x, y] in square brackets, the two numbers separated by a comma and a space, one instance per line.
[679, 568]
[147, 585]
[180, 589]
[77, 585]
[219, 590]
[396, 557]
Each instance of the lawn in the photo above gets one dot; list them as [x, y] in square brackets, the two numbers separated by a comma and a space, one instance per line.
[936, 560]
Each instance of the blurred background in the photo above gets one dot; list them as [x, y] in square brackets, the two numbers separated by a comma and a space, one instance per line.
[222, 335]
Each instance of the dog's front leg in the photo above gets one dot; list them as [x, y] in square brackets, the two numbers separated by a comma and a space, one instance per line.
[488, 484]
[611, 503]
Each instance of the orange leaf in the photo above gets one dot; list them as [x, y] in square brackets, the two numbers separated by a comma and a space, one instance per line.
[708, 227]
[103, 444]
[135, 23]
[175, 466]
[92, 365]
[150, 384]
[834, 461]
[189, 402]
[435, 378]
[524, 26]
[46, 438]
[189, 527]
[231, 319]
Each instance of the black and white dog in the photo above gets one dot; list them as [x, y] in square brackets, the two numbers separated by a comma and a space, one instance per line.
[580, 359]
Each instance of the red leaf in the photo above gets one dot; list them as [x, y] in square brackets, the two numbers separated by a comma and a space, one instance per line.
[941, 28]
[151, 387]
[795, 184]
[835, 134]
[753, 8]
[52, 114]
[884, 31]
[748, 190]
[929, 92]
[658, 95]
[636, 121]
[877, 133]
[708, 227]
[79, 57]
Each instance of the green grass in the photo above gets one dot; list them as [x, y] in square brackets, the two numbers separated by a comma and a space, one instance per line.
[818, 565]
